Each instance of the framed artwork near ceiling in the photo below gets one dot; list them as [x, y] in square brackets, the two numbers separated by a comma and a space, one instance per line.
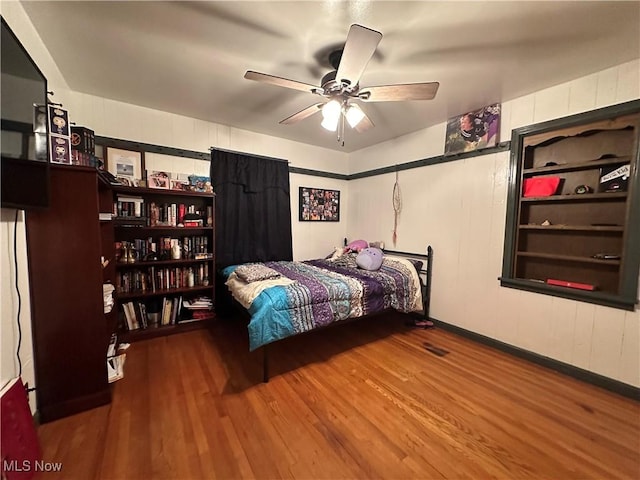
[319, 205]
[473, 130]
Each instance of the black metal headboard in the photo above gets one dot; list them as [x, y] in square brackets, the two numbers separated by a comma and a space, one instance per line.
[424, 271]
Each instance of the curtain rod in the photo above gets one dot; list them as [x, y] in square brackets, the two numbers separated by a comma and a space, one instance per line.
[262, 157]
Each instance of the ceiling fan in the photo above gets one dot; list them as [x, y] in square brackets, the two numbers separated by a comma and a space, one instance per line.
[341, 86]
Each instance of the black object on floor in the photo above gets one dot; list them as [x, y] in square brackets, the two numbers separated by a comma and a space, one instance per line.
[441, 352]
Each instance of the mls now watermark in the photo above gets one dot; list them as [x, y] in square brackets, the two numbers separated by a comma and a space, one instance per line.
[30, 466]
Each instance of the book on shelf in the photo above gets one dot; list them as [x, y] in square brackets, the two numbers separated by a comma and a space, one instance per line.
[151, 313]
[130, 316]
[115, 367]
[565, 283]
[199, 303]
[193, 223]
[191, 320]
[111, 350]
[108, 177]
[107, 296]
[614, 178]
[154, 278]
[128, 206]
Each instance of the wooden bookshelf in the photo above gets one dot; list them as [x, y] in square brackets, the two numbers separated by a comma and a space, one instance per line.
[71, 332]
[152, 276]
[593, 212]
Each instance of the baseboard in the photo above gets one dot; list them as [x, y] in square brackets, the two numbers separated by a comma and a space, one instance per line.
[76, 405]
[615, 386]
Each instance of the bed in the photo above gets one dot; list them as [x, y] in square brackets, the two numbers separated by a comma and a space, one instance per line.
[288, 298]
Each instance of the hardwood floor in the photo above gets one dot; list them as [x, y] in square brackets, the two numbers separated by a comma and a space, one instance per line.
[365, 400]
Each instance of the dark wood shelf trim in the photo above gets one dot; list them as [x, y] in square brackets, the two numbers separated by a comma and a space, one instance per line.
[153, 263]
[575, 228]
[139, 191]
[618, 278]
[598, 298]
[124, 218]
[172, 291]
[568, 167]
[183, 261]
[569, 258]
[158, 228]
[587, 197]
[149, 333]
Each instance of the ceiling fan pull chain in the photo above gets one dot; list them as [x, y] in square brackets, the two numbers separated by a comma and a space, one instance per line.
[341, 127]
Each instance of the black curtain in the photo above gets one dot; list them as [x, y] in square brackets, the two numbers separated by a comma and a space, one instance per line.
[253, 209]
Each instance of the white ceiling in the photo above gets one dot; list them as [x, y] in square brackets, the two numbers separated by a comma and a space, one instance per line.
[190, 57]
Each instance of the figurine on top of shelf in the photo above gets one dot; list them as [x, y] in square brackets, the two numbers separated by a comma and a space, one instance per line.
[200, 184]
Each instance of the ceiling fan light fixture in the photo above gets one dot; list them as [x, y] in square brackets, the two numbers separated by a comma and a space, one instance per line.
[354, 115]
[331, 115]
[342, 85]
[331, 109]
[330, 124]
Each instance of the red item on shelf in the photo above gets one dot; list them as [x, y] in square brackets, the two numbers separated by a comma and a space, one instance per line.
[564, 283]
[540, 186]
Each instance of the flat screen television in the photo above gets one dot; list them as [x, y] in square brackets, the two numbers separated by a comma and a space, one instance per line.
[24, 174]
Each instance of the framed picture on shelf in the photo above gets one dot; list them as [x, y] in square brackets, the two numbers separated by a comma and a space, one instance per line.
[318, 204]
[125, 164]
[180, 181]
[158, 179]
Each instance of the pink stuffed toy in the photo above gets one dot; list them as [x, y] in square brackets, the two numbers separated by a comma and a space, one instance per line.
[357, 245]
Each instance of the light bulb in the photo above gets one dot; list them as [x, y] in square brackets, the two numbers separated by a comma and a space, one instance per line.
[331, 109]
[330, 123]
[354, 115]
[331, 115]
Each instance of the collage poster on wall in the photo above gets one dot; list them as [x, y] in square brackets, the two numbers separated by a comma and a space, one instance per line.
[473, 130]
[317, 204]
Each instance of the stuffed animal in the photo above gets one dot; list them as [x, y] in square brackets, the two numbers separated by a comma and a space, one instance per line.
[338, 252]
[369, 259]
[357, 245]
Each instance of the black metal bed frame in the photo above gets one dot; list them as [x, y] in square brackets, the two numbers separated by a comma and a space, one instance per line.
[426, 301]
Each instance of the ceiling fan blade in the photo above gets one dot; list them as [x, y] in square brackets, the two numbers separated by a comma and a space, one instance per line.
[360, 46]
[302, 114]
[281, 82]
[364, 124]
[394, 93]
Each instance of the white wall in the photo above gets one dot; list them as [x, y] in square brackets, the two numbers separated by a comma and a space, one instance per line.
[460, 208]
